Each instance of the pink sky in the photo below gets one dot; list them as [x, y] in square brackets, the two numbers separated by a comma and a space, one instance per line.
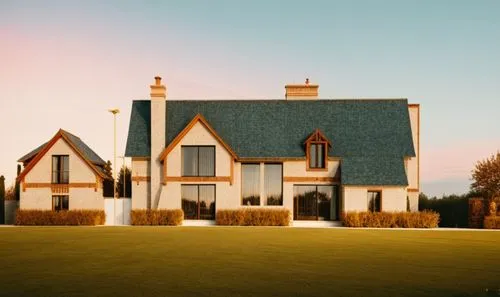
[64, 67]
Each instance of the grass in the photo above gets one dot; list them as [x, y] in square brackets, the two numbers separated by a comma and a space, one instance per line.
[246, 261]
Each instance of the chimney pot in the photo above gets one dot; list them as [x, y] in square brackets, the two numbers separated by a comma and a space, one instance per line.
[158, 80]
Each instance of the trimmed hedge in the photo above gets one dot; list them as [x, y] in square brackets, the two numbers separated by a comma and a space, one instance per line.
[253, 217]
[156, 217]
[492, 222]
[453, 210]
[60, 218]
[424, 219]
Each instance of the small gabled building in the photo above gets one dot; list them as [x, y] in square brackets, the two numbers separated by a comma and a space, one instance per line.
[314, 157]
[62, 174]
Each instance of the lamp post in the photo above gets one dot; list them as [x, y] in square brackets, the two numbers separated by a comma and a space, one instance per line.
[114, 111]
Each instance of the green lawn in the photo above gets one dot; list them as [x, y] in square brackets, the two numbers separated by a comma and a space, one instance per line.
[247, 261]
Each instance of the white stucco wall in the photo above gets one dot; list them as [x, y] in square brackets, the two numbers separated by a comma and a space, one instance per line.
[199, 135]
[141, 191]
[355, 198]
[79, 172]
[413, 163]
[158, 119]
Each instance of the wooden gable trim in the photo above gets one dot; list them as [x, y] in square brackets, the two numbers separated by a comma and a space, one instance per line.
[317, 136]
[180, 136]
[47, 147]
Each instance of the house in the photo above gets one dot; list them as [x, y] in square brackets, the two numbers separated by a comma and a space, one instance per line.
[314, 157]
[62, 174]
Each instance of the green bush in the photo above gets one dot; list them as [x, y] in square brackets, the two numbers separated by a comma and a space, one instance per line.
[156, 217]
[492, 222]
[60, 218]
[425, 219]
[253, 217]
[453, 210]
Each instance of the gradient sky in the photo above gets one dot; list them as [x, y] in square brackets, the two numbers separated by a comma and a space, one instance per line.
[64, 63]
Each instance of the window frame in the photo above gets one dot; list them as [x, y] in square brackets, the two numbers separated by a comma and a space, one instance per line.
[198, 160]
[262, 185]
[60, 171]
[198, 201]
[54, 197]
[317, 138]
[368, 201]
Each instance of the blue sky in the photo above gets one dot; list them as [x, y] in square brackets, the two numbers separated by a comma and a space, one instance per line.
[64, 63]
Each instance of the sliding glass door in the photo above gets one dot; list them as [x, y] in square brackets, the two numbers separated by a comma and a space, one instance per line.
[315, 202]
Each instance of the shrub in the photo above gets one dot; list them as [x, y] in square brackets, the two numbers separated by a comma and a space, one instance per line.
[492, 222]
[156, 217]
[253, 217]
[424, 219]
[60, 218]
[453, 210]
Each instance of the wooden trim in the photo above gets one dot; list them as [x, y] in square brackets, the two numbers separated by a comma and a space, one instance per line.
[411, 190]
[231, 171]
[141, 159]
[316, 136]
[141, 179]
[290, 179]
[198, 178]
[194, 121]
[60, 134]
[59, 188]
[413, 105]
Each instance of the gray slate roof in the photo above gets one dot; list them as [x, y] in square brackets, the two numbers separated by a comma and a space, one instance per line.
[80, 145]
[372, 137]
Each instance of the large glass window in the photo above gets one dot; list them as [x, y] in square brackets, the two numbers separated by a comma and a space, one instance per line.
[198, 160]
[273, 184]
[374, 201]
[60, 169]
[315, 202]
[317, 155]
[198, 202]
[60, 202]
[272, 179]
[250, 187]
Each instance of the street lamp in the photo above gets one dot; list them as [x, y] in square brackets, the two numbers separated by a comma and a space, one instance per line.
[114, 111]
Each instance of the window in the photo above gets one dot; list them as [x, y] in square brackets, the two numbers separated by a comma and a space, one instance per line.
[60, 169]
[198, 202]
[317, 151]
[374, 201]
[252, 179]
[198, 160]
[250, 184]
[315, 202]
[317, 155]
[60, 203]
[273, 184]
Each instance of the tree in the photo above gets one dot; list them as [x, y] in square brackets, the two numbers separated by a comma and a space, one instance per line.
[2, 200]
[17, 189]
[10, 193]
[486, 177]
[108, 169]
[128, 183]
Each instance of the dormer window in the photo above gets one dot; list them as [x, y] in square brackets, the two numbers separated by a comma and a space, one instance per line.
[317, 151]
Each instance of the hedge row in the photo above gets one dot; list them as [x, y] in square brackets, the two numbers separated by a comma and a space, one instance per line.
[253, 217]
[492, 222]
[156, 217]
[60, 218]
[424, 219]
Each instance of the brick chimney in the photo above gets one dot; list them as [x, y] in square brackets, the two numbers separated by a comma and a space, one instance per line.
[158, 126]
[304, 91]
